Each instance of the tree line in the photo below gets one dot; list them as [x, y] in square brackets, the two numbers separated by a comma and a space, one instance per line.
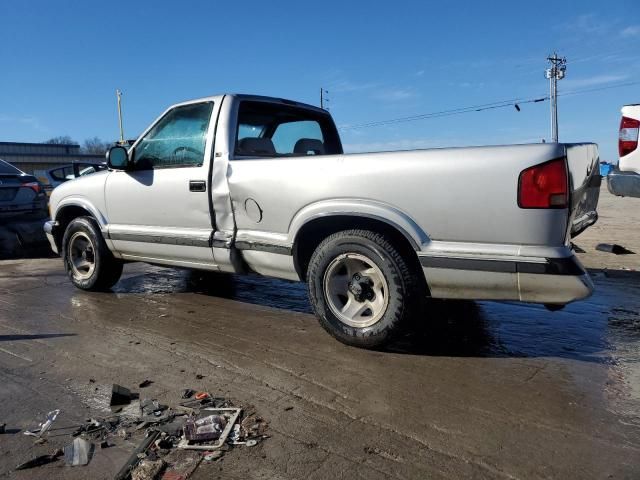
[93, 146]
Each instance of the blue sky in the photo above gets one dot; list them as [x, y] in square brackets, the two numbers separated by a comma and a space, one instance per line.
[62, 61]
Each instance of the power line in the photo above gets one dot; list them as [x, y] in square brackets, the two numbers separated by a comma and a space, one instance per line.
[479, 108]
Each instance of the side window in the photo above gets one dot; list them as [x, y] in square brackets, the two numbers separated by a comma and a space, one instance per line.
[299, 138]
[178, 139]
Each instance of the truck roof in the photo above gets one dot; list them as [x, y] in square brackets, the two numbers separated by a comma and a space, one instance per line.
[257, 98]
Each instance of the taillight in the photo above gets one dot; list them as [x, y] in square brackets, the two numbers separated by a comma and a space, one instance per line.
[544, 185]
[35, 186]
[628, 140]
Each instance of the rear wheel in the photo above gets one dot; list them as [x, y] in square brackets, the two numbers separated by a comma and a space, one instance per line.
[87, 259]
[361, 287]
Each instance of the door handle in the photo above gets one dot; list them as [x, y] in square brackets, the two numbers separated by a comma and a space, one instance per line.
[197, 186]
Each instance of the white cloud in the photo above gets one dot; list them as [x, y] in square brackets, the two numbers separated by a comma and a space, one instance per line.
[593, 81]
[631, 31]
[27, 120]
[396, 94]
[588, 24]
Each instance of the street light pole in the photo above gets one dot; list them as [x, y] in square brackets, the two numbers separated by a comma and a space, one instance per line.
[119, 95]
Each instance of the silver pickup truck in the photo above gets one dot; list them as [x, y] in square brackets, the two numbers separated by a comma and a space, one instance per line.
[238, 183]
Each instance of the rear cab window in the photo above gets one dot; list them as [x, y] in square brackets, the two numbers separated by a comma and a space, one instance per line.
[267, 129]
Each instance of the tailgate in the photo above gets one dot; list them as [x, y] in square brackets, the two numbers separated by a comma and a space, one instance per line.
[584, 185]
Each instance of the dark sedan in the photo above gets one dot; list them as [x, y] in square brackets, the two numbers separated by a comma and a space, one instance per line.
[20, 193]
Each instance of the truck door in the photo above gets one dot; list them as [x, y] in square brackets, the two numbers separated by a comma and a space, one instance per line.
[159, 209]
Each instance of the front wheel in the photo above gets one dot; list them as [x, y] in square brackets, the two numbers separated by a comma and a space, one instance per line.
[361, 287]
[87, 259]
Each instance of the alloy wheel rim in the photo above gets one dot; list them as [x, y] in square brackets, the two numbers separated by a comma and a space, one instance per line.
[81, 252]
[356, 290]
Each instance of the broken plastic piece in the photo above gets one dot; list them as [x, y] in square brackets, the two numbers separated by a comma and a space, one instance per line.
[120, 395]
[231, 414]
[44, 426]
[207, 428]
[78, 453]
[187, 393]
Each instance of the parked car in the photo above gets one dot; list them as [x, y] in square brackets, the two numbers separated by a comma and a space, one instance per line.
[625, 181]
[56, 176]
[239, 183]
[20, 194]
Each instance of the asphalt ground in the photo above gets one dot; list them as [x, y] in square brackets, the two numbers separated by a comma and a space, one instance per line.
[483, 390]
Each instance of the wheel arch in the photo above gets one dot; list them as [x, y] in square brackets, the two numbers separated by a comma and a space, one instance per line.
[312, 232]
[66, 213]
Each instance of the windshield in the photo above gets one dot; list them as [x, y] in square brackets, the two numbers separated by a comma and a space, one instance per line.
[274, 130]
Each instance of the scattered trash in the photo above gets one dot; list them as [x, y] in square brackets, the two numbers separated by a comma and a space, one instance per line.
[133, 460]
[187, 393]
[120, 395]
[78, 453]
[209, 426]
[44, 426]
[287, 409]
[40, 460]
[613, 248]
[147, 470]
[199, 377]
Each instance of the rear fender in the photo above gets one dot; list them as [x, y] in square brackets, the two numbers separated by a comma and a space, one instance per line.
[361, 208]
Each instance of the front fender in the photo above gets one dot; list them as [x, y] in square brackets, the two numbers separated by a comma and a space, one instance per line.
[84, 203]
[361, 208]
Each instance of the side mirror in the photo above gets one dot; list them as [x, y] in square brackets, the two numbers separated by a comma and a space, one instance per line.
[118, 158]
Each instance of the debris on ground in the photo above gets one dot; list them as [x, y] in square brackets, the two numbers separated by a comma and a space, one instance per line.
[79, 453]
[120, 395]
[613, 248]
[147, 470]
[40, 460]
[172, 440]
[187, 393]
[145, 383]
[44, 426]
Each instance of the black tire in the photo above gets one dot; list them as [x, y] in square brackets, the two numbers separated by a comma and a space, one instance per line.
[107, 269]
[399, 272]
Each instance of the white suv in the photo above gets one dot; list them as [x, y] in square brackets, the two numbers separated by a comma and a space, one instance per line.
[625, 181]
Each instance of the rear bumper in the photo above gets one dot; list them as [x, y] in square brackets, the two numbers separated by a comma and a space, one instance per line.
[624, 184]
[50, 230]
[549, 280]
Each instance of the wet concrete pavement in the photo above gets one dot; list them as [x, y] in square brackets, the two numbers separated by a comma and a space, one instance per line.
[485, 390]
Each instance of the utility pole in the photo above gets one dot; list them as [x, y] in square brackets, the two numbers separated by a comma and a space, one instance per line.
[323, 98]
[119, 95]
[554, 73]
